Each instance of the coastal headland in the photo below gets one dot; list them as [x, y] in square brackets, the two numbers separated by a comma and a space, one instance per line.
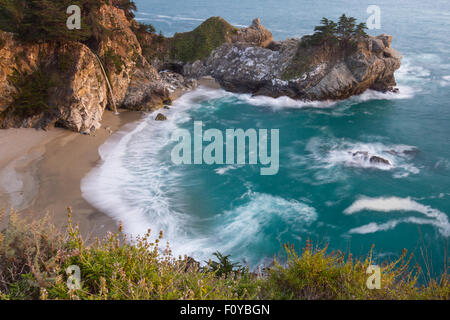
[76, 81]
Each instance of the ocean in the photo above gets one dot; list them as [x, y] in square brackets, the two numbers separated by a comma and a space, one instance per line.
[321, 192]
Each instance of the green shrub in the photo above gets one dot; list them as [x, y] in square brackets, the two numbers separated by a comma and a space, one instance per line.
[199, 43]
[316, 275]
[224, 266]
[113, 61]
[144, 28]
[33, 92]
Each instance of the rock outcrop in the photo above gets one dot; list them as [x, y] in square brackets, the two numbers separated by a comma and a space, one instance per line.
[379, 160]
[160, 117]
[198, 44]
[374, 159]
[146, 71]
[255, 35]
[76, 94]
[300, 70]
[76, 99]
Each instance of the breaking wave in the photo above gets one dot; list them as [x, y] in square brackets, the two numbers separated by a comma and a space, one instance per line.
[433, 216]
[248, 225]
[282, 102]
[133, 182]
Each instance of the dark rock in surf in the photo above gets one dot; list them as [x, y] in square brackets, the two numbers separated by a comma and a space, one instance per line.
[160, 117]
[379, 160]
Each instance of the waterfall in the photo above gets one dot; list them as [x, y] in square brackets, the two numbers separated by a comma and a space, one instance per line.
[109, 85]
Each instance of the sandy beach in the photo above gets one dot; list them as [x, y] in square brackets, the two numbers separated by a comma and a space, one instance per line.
[40, 173]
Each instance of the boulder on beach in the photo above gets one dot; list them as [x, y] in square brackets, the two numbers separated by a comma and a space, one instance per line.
[160, 117]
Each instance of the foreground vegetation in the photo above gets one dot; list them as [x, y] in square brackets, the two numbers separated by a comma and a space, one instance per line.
[34, 258]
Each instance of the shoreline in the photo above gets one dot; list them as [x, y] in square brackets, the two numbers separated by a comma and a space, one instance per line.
[42, 171]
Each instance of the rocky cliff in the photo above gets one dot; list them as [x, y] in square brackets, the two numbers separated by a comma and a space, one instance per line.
[65, 83]
[62, 83]
[300, 70]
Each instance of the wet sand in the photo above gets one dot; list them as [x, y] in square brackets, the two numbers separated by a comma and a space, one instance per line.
[41, 171]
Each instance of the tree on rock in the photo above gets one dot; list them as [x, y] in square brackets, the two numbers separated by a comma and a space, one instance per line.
[343, 32]
[326, 32]
[360, 31]
[346, 27]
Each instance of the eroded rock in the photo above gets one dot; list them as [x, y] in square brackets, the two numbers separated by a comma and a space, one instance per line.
[379, 160]
[160, 117]
[77, 93]
[290, 68]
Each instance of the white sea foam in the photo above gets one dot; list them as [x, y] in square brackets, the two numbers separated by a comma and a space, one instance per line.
[433, 216]
[137, 195]
[245, 225]
[328, 153]
[134, 183]
[405, 92]
[282, 102]
[445, 82]
[411, 72]
[223, 170]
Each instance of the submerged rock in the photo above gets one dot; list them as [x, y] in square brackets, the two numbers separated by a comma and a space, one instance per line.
[366, 156]
[379, 160]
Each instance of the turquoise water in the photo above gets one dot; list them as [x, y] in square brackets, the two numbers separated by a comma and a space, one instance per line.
[321, 192]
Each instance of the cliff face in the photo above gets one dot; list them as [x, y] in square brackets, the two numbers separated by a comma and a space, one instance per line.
[63, 84]
[302, 71]
[75, 91]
